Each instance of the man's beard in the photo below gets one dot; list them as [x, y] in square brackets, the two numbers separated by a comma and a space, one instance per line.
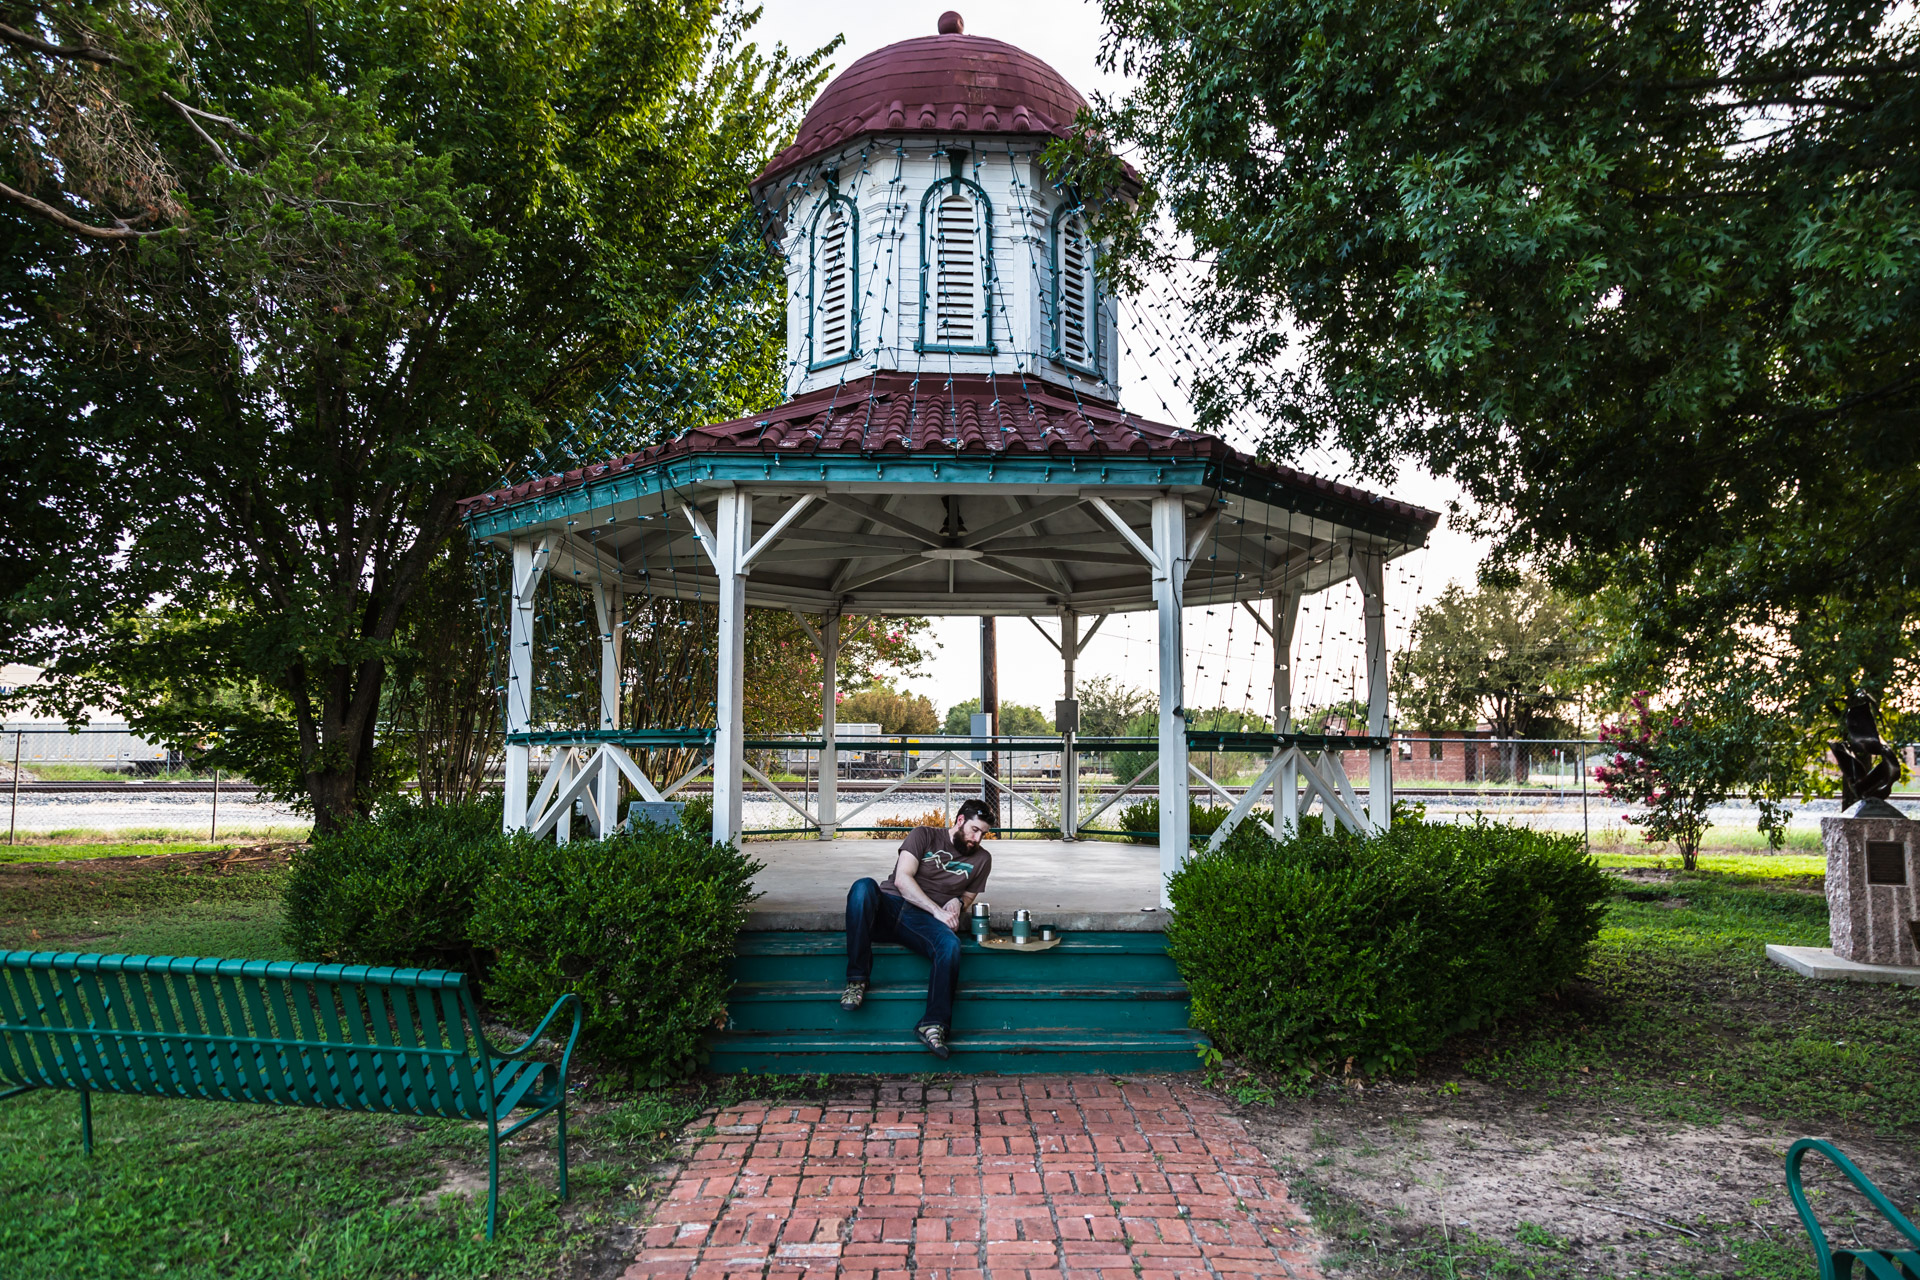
[965, 845]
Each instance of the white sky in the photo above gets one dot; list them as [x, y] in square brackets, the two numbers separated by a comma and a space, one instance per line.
[1228, 659]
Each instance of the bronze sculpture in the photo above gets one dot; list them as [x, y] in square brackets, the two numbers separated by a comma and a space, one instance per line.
[1868, 766]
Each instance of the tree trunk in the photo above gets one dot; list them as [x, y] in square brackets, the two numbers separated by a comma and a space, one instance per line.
[332, 791]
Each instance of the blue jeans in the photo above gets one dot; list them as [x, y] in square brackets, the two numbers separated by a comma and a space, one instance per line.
[873, 916]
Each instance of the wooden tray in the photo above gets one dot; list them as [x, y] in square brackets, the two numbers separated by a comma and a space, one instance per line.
[1008, 944]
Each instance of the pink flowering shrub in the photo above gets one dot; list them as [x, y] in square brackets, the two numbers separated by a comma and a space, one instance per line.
[1674, 767]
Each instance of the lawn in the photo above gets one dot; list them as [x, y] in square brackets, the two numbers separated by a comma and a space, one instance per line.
[1665, 1083]
[56, 846]
[200, 1189]
[1680, 1012]
[1679, 1037]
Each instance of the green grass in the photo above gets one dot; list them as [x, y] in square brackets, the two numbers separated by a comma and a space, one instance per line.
[69, 906]
[1613, 838]
[1680, 1013]
[128, 849]
[94, 773]
[233, 1191]
[1755, 866]
[87, 842]
[206, 1190]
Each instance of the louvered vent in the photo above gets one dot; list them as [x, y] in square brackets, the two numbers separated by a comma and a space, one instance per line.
[955, 287]
[1078, 316]
[833, 287]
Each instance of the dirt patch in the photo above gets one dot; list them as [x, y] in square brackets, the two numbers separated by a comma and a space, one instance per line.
[1605, 1190]
[270, 856]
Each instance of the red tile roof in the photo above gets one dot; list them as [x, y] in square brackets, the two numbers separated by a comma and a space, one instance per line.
[934, 84]
[969, 415]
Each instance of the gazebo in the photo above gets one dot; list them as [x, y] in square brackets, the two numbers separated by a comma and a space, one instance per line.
[953, 444]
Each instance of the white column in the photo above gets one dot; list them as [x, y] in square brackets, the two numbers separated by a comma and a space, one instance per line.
[1370, 569]
[829, 799]
[519, 681]
[1286, 784]
[733, 534]
[1069, 762]
[609, 604]
[1169, 596]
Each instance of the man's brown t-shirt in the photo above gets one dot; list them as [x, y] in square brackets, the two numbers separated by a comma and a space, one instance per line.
[945, 873]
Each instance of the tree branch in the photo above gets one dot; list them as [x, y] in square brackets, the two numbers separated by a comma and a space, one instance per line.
[228, 121]
[84, 52]
[119, 231]
[187, 113]
[1796, 75]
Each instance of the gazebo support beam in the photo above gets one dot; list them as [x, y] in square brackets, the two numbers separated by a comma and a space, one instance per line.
[529, 563]
[1286, 783]
[1369, 568]
[828, 805]
[609, 607]
[1069, 647]
[732, 537]
[1169, 558]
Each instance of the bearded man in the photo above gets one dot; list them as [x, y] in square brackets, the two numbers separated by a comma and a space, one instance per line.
[937, 874]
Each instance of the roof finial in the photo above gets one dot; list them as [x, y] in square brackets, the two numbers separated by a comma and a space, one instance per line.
[952, 24]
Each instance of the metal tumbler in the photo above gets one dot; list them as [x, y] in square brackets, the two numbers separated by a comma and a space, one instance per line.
[982, 921]
[1022, 926]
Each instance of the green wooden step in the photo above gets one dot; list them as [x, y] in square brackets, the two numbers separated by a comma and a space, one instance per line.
[1098, 958]
[898, 1051]
[797, 1006]
[1098, 1002]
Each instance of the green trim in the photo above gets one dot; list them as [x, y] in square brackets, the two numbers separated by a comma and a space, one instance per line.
[987, 274]
[853, 281]
[1220, 740]
[623, 737]
[1076, 471]
[830, 469]
[1058, 354]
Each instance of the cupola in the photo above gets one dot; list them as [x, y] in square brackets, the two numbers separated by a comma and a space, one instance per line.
[921, 232]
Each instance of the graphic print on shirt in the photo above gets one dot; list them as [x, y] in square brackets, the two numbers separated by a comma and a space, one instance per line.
[942, 861]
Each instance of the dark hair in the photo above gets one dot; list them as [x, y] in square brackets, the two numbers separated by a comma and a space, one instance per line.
[976, 808]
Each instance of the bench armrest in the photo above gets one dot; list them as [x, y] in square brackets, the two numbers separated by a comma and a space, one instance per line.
[1823, 1252]
[572, 1037]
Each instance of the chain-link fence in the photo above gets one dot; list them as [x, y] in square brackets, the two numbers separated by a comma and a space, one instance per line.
[103, 782]
[97, 782]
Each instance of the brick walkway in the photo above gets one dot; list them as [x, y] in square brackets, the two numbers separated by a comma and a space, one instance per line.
[1075, 1178]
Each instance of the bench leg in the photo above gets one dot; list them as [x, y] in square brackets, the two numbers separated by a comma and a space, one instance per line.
[563, 1147]
[86, 1122]
[493, 1176]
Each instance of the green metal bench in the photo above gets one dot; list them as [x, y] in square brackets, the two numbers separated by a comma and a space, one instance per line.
[338, 1037]
[1837, 1264]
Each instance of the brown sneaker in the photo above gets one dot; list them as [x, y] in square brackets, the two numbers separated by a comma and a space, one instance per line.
[854, 996]
[934, 1036]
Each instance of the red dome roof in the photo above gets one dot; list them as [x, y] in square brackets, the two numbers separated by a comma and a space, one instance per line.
[935, 84]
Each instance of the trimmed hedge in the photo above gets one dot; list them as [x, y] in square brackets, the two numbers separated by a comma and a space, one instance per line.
[396, 889]
[641, 927]
[1327, 950]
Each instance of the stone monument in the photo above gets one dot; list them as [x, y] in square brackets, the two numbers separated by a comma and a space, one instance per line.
[1873, 851]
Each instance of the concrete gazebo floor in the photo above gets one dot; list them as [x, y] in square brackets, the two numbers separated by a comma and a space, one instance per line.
[1078, 886]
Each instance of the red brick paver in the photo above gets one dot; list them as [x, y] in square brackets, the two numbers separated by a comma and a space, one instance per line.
[1061, 1178]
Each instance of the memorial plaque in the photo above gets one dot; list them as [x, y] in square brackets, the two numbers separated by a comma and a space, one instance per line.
[1886, 862]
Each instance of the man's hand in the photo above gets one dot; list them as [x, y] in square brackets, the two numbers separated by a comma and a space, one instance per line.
[905, 880]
